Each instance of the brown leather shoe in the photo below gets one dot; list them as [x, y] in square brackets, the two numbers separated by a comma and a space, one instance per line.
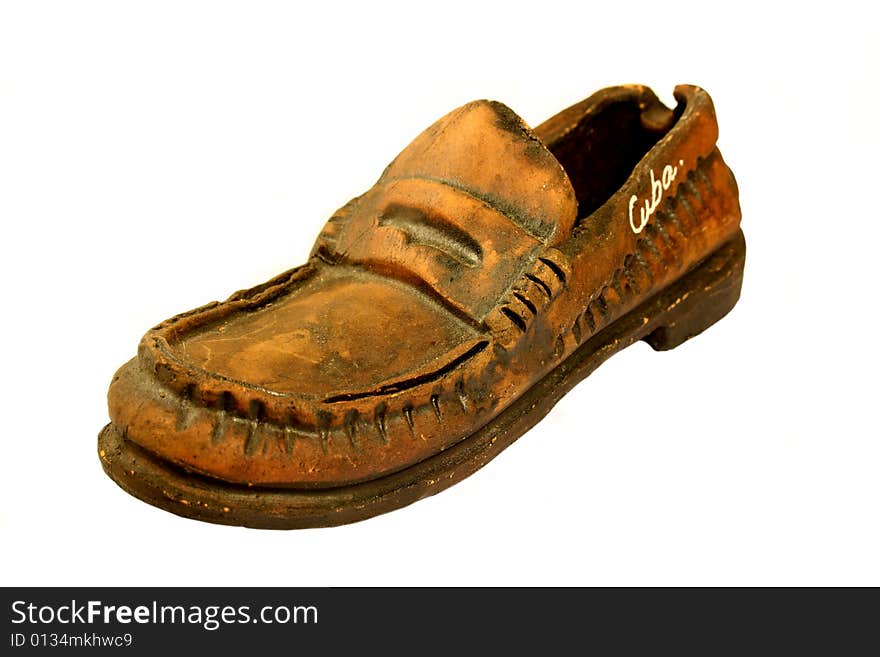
[439, 317]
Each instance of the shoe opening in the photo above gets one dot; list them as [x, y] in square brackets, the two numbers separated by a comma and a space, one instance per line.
[600, 140]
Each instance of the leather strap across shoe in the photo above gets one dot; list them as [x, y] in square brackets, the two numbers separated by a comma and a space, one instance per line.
[441, 315]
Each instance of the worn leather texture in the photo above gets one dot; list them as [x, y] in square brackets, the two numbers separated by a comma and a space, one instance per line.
[484, 255]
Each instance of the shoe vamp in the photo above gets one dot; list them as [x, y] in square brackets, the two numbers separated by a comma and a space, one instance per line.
[337, 334]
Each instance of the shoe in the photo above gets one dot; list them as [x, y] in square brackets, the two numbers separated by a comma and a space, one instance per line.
[440, 315]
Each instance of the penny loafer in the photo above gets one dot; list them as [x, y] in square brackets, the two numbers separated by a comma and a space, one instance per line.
[439, 316]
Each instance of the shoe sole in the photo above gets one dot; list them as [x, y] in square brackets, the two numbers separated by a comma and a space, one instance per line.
[677, 313]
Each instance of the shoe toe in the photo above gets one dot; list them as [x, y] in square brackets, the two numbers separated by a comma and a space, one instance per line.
[299, 393]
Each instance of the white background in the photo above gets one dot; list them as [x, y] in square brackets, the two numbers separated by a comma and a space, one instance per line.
[158, 155]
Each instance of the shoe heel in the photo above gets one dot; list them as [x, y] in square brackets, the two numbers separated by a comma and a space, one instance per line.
[702, 297]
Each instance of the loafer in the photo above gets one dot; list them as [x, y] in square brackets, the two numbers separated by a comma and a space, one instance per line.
[439, 316]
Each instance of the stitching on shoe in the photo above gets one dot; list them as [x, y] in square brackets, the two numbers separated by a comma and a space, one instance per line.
[261, 431]
[647, 249]
[528, 298]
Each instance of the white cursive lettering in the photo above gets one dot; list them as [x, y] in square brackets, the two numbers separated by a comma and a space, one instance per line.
[657, 188]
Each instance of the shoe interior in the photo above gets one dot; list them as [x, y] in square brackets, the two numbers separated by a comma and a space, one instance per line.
[600, 140]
